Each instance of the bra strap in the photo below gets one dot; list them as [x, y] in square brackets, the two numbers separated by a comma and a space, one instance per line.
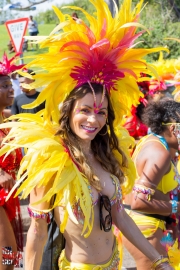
[162, 139]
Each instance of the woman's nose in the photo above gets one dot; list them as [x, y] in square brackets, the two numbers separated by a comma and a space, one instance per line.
[11, 89]
[92, 118]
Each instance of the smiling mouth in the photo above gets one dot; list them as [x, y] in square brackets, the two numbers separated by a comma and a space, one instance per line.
[89, 129]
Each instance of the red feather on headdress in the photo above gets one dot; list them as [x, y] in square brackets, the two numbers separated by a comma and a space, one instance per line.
[7, 66]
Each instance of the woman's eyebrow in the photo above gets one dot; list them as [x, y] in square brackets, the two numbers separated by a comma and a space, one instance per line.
[103, 109]
[84, 105]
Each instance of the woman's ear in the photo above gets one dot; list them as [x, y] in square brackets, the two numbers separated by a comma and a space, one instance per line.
[172, 128]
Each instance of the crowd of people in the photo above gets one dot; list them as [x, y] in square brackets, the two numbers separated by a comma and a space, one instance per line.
[11, 237]
[96, 150]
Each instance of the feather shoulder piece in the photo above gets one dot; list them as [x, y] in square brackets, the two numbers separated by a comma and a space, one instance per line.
[48, 160]
[127, 144]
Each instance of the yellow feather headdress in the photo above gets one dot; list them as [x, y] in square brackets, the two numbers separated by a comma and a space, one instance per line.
[101, 52]
[176, 75]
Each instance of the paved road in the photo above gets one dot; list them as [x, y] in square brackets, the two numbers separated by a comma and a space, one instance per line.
[128, 262]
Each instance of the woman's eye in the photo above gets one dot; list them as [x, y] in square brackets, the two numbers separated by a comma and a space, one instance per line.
[84, 110]
[102, 113]
[5, 86]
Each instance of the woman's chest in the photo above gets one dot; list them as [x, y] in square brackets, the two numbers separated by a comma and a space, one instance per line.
[106, 180]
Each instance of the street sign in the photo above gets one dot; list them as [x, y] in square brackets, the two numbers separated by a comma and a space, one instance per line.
[17, 29]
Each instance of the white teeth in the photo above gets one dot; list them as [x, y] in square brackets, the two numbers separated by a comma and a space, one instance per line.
[89, 128]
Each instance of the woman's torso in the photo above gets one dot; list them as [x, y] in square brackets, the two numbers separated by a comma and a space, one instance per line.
[97, 248]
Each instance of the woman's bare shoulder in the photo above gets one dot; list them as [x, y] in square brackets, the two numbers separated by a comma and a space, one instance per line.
[153, 160]
[154, 149]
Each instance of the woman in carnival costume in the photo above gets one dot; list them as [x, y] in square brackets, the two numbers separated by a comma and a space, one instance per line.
[136, 128]
[10, 221]
[176, 76]
[166, 69]
[154, 89]
[79, 154]
[176, 91]
[153, 204]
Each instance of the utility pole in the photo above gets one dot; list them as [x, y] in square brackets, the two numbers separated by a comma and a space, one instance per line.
[111, 4]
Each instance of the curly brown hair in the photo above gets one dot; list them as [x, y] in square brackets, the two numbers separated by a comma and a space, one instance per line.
[164, 111]
[102, 146]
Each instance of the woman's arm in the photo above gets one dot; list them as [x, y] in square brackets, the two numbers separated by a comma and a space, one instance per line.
[36, 240]
[37, 233]
[6, 180]
[152, 164]
[154, 206]
[130, 230]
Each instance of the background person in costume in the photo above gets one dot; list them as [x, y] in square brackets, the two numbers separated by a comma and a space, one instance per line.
[167, 70]
[75, 16]
[154, 90]
[153, 204]
[136, 128]
[17, 91]
[79, 154]
[10, 221]
[177, 87]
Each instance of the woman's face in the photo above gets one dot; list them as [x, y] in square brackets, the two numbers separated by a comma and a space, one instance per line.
[6, 92]
[26, 81]
[85, 122]
[177, 135]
